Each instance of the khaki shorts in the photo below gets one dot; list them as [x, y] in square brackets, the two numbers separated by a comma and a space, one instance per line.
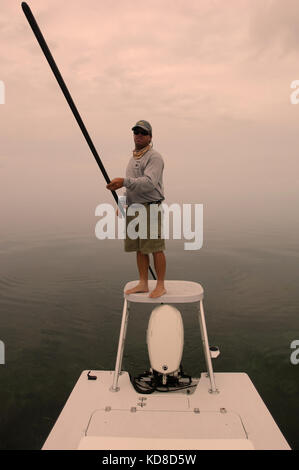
[146, 245]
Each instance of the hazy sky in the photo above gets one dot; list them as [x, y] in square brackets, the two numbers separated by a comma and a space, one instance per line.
[212, 77]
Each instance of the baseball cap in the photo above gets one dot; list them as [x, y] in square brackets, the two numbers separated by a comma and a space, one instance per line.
[144, 125]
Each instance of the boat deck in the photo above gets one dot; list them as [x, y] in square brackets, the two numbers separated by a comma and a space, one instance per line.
[95, 417]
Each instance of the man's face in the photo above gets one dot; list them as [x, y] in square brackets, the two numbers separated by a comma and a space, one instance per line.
[140, 139]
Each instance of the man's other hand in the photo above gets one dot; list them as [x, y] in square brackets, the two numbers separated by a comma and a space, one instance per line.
[116, 183]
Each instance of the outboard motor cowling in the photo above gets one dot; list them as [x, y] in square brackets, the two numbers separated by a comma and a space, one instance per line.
[165, 342]
[165, 339]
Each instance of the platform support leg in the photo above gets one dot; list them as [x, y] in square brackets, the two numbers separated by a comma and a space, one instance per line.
[121, 345]
[206, 347]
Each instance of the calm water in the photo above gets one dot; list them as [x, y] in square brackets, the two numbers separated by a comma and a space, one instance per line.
[61, 304]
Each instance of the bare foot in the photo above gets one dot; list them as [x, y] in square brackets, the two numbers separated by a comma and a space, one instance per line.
[158, 291]
[141, 287]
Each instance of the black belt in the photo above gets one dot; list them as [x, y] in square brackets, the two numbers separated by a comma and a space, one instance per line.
[152, 202]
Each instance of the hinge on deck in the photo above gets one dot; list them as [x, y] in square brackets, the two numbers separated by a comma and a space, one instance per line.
[142, 400]
[141, 404]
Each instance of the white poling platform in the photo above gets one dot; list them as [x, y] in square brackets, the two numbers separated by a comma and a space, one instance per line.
[177, 292]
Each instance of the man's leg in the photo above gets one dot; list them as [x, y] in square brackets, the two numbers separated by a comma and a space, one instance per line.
[160, 267]
[142, 263]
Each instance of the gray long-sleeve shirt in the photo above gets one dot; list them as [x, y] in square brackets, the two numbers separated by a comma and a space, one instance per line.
[144, 178]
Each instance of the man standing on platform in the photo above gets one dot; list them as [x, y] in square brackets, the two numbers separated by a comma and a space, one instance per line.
[144, 185]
